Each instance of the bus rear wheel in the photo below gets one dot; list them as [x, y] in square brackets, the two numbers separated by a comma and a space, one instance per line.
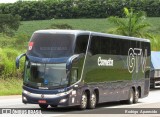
[93, 101]
[131, 96]
[84, 100]
[43, 106]
[136, 96]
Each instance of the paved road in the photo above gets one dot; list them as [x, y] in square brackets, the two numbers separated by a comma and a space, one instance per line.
[152, 101]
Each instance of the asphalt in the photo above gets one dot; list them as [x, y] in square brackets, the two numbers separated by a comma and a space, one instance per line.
[113, 109]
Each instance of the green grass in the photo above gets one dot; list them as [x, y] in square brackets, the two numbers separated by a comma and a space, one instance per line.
[155, 25]
[10, 86]
[98, 25]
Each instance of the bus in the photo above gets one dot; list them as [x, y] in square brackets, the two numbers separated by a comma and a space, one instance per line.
[84, 68]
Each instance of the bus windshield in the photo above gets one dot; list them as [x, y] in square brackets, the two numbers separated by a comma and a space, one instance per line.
[48, 45]
[39, 75]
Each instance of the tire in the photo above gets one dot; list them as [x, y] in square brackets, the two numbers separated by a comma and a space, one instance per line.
[43, 106]
[154, 85]
[92, 101]
[136, 96]
[54, 106]
[131, 96]
[83, 102]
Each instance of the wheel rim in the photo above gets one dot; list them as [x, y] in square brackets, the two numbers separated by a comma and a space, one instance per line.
[84, 101]
[131, 97]
[136, 96]
[93, 100]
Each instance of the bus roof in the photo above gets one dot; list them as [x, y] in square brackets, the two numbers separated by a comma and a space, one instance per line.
[77, 32]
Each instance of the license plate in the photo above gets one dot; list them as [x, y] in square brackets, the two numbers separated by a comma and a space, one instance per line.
[42, 101]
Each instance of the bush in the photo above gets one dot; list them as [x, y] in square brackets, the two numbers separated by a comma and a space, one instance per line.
[9, 24]
[21, 41]
[7, 64]
[7, 42]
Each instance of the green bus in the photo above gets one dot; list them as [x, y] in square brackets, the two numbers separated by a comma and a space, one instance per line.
[84, 68]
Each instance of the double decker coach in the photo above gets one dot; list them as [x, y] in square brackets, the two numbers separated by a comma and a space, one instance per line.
[84, 68]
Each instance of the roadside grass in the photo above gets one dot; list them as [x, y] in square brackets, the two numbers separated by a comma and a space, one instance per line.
[10, 86]
[98, 25]
[155, 25]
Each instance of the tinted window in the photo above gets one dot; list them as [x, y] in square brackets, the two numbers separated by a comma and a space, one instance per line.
[146, 46]
[51, 45]
[95, 47]
[115, 46]
[125, 45]
[81, 44]
[105, 45]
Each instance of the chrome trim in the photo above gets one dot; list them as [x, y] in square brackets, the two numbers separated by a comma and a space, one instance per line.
[50, 96]
[86, 55]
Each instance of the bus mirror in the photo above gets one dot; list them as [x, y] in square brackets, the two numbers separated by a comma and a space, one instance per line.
[70, 60]
[73, 58]
[17, 60]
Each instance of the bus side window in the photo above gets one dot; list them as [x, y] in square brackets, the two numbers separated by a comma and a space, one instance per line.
[95, 46]
[81, 44]
[146, 46]
[105, 45]
[116, 47]
[125, 45]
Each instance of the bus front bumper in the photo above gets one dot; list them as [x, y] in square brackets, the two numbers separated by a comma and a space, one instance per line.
[61, 99]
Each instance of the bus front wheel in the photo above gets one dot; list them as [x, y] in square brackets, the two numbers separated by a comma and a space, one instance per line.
[43, 106]
[83, 103]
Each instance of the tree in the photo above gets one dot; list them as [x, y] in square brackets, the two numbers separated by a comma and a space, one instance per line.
[132, 25]
[9, 24]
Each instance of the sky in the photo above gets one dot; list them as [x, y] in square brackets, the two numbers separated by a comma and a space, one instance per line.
[7, 1]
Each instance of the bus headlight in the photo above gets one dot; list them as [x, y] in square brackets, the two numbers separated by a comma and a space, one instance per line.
[26, 92]
[62, 100]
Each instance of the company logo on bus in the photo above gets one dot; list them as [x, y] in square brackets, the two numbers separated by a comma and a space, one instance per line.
[136, 60]
[105, 62]
[30, 45]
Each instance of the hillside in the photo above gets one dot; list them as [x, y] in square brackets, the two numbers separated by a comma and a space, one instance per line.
[98, 25]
